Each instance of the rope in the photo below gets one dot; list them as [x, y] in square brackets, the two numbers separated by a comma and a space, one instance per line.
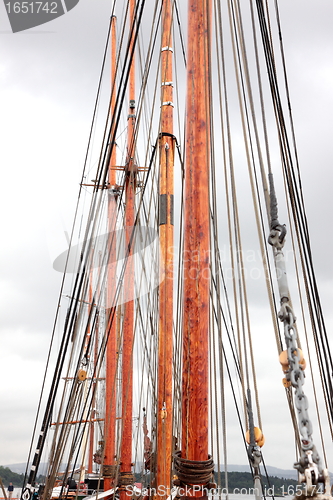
[191, 472]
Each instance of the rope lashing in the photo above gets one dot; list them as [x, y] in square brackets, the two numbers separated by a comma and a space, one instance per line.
[126, 478]
[193, 472]
[109, 471]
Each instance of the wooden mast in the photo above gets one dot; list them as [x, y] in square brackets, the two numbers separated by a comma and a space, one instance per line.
[126, 476]
[92, 412]
[111, 348]
[196, 244]
[166, 182]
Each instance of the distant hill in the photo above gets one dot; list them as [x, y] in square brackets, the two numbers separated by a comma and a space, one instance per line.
[16, 477]
[8, 476]
[272, 471]
[19, 468]
[271, 485]
[239, 476]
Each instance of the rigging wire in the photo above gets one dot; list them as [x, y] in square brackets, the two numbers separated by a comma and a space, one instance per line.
[300, 220]
[79, 320]
[50, 403]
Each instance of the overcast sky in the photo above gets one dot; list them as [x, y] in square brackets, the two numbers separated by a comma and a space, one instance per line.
[48, 81]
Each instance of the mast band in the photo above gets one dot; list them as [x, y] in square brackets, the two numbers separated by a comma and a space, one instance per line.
[167, 134]
[166, 48]
[171, 209]
[168, 103]
[164, 209]
[169, 84]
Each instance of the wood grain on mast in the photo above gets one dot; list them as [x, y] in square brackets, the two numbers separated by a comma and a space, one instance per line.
[111, 348]
[196, 260]
[166, 236]
[126, 475]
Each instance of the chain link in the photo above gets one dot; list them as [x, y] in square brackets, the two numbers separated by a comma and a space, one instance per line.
[309, 460]
[309, 463]
[296, 376]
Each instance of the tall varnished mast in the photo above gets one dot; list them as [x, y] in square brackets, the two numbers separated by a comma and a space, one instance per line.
[196, 265]
[126, 477]
[111, 348]
[166, 186]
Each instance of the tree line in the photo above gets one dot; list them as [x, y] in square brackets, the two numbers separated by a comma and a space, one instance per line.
[8, 476]
[235, 480]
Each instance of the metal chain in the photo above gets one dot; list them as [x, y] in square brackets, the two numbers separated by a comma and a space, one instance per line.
[296, 377]
[309, 465]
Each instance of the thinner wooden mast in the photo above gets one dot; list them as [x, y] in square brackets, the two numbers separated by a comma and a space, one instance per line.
[166, 186]
[92, 413]
[128, 323]
[196, 240]
[111, 348]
